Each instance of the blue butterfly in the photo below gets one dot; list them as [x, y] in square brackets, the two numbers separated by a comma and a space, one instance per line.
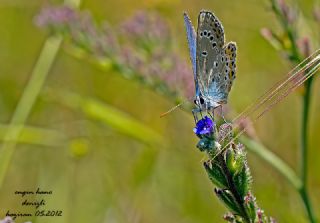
[213, 61]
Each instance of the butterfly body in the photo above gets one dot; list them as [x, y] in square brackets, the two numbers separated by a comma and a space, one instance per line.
[213, 61]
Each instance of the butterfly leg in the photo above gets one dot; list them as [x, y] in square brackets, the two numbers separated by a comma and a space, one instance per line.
[201, 114]
[211, 113]
[195, 111]
[222, 115]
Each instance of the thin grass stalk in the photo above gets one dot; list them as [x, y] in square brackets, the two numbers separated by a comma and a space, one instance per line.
[29, 97]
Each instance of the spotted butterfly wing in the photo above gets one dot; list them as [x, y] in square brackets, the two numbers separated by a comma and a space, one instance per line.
[215, 63]
[230, 51]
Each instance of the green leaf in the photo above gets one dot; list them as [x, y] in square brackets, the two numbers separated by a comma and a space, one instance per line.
[242, 181]
[216, 174]
[251, 210]
[226, 197]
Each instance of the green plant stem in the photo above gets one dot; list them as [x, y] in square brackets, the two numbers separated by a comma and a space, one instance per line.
[36, 136]
[305, 198]
[234, 190]
[296, 58]
[105, 113]
[28, 98]
[304, 132]
[304, 151]
[27, 101]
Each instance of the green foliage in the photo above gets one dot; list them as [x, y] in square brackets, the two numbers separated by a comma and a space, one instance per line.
[227, 198]
[296, 45]
[227, 168]
[121, 181]
[250, 206]
[242, 180]
[216, 174]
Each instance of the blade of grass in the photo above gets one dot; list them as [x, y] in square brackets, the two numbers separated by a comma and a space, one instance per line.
[27, 101]
[107, 114]
[29, 97]
[36, 136]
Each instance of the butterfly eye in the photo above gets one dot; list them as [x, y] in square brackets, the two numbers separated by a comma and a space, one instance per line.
[201, 100]
[195, 101]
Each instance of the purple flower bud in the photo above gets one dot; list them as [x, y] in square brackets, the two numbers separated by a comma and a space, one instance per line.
[304, 46]
[248, 198]
[145, 26]
[260, 215]
[204, 126]
[288, 13]
[266, 33]
[55, 16]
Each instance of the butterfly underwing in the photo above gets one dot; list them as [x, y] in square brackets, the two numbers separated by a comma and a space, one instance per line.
[213, 61]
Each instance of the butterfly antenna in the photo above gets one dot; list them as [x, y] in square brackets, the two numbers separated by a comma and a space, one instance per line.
[172, 109]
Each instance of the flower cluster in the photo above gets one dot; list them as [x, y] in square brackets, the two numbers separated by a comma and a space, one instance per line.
[146, 27]
[204, 126]
[228, 170]
[56, 17]
[291, 42]
[80, 28]
[140, 47]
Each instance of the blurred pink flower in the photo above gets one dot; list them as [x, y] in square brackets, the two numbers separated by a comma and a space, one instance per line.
[289, 13]
[142, 46]
[55, 16]
[147, 26]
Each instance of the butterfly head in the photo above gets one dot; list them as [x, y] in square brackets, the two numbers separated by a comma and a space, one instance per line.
[205, 103]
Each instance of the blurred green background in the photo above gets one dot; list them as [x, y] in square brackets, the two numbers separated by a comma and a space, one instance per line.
[100, 173]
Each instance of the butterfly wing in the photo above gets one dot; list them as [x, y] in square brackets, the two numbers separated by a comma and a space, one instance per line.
[191, 36]
[221, 84]
[230, 51]
[210, 55]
